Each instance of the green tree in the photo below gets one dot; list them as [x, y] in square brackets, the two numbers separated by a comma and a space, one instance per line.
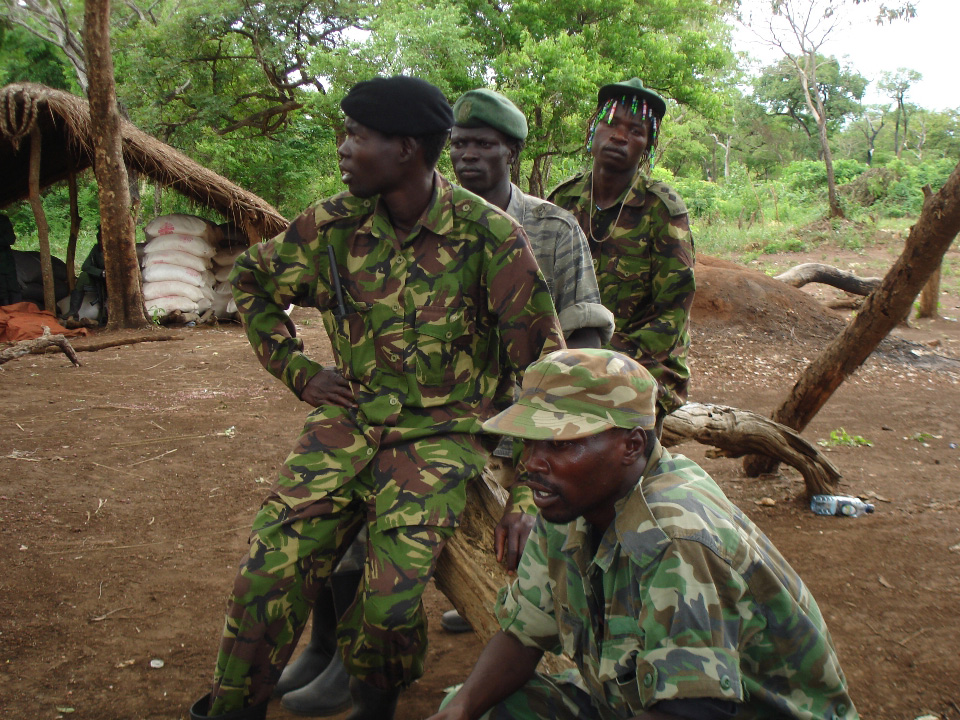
[896, 85]
[838, 88]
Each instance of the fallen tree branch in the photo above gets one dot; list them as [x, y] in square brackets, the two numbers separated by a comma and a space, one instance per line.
[44, 343]
[828, 275]
[737, 432]
[115, 340]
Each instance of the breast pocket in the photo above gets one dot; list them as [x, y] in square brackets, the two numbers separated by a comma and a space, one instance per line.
[444, 340]
[350, 338]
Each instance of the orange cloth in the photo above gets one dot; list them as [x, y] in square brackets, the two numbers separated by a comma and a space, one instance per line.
[25, 321]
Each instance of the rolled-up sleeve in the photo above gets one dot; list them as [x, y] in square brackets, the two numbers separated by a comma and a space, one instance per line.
[525, 607]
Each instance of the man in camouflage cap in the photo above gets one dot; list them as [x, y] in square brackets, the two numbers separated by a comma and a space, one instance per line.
[427, 295]
[670, 601]
[639, 237]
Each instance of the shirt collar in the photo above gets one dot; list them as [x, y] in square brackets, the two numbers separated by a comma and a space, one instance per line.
[437, 218]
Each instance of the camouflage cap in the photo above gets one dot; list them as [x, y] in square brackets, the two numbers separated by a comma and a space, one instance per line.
[482, 107]
[571, 394]
[629, 88]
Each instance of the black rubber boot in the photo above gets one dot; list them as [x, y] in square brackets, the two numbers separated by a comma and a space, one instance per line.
[370, 703]
[323, 646]
[328, 694]
[198, 711]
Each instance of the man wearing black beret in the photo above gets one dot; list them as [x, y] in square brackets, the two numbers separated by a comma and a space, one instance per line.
[431, 299]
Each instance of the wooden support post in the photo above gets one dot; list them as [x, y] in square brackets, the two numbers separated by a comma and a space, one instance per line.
[74, 231]
[43, 229]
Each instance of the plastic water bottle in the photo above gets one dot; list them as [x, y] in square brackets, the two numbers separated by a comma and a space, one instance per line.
[839, 505]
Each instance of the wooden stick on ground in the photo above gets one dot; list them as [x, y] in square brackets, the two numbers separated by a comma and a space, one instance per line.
[40, 344]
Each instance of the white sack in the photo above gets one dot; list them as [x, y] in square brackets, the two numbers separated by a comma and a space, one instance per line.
[153, 290]
[158, 272]
[176, 257]
[184, 243]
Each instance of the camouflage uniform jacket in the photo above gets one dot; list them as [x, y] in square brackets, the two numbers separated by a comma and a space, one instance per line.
[564, 259]
[644, 263]
[425, 319]
[685, 598]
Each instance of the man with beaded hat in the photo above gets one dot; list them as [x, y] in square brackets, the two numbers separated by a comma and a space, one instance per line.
[425, 293]
[488, 134]
[670, 601]
[639, 236]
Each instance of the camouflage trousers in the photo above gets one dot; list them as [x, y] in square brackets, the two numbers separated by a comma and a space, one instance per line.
[339, 477]
[558, 697]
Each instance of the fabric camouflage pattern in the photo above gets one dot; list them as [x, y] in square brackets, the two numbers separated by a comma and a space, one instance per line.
[644, 262]
[557, 697]
[429, 324]
[382, 636]
[425, 320]
[564, 258]
[684, 598]
[575, 393]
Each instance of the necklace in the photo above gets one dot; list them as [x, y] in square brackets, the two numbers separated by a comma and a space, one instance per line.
[619, 212]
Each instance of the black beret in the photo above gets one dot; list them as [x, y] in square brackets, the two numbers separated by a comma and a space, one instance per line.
[629, 88]
[479, 108]
[400, 105]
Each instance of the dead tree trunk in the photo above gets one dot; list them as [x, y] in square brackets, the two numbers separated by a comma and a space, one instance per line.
[930, 295]
[122, 273]
[926, 245]
[806, 273]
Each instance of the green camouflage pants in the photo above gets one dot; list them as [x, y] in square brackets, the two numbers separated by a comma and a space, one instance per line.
[558, 697]
[339, 477]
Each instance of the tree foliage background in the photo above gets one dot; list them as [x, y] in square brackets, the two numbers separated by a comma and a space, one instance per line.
[252, 90]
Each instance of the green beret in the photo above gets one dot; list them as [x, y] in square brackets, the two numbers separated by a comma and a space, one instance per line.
[480, 108]
[629, 88]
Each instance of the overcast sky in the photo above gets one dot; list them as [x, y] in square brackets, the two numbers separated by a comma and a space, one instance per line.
[927, 44]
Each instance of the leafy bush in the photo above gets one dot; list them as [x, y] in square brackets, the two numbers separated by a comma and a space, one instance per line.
[811, 175]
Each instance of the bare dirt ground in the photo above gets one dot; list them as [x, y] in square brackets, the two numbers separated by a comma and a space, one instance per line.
[127, 488]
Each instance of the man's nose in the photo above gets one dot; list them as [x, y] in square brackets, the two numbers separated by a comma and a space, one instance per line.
[534, 457]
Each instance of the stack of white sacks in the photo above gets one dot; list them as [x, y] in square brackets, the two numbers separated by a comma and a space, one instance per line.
[232, 245]
[177, 265]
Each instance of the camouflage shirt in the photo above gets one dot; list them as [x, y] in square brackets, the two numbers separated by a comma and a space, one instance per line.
[684, 598]
[425, 319]
[644, 260]
[564, 259]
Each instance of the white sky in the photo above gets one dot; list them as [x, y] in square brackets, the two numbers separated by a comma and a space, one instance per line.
[927, 44]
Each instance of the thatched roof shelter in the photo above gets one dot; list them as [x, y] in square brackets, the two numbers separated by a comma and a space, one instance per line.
[64, 122]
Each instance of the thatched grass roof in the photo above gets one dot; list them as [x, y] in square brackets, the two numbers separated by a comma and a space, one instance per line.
[64, 122]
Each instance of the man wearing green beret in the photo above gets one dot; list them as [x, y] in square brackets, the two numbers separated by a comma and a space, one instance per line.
[431, 300]
[669, 600]
[639, 237]
[487, 137]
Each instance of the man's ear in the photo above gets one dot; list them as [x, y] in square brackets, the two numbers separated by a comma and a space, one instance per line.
[409, 146]
[634, 446]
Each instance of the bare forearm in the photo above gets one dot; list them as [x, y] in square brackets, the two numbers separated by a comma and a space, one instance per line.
[504, 667]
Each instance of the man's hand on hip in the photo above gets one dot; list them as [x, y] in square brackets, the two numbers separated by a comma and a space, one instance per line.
[328, 387]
